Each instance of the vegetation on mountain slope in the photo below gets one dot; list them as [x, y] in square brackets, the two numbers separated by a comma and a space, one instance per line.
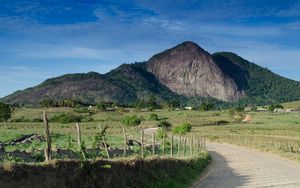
[260, 84]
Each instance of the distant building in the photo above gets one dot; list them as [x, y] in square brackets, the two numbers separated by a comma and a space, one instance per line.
[279, 110]
[188, 108]
[261, 109]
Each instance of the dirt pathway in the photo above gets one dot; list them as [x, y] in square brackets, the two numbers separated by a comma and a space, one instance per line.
[235, 166]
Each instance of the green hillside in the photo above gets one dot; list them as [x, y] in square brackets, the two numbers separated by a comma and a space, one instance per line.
[260, 84]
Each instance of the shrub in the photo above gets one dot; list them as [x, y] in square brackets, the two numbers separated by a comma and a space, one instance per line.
[237, 114]
[153, 117]
[101, 106]
[161, 133]
[5, 112]
[37, 120]
[182, 129]
[164, 125]
[206, 106]
[131, 120]
[81, 110]
[66, 118]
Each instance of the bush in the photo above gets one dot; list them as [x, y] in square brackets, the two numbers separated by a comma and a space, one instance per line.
[206, 106]
[164, 125]
[37, 120]
[131, 120]
[81, 110]
[182, 129]
[101, 106]
[237, 114]
[66, 118]
[161, 133]
[153, 117]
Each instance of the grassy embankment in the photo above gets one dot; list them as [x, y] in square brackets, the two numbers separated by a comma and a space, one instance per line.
[155, 172]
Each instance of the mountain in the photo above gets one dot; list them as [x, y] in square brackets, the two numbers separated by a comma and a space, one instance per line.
[189, 70]
[186, 72]
[125, 85]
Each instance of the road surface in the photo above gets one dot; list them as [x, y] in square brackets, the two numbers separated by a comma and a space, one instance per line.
[234, 166]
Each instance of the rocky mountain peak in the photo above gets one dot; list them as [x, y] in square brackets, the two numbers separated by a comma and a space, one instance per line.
[189, 70]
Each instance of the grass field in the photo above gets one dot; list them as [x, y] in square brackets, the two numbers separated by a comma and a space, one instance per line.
[294, 104]
[274, 132]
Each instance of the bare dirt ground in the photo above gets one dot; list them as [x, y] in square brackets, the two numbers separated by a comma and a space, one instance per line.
[234, 166]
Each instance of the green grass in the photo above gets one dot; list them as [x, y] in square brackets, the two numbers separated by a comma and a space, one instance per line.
[294, 104]
[273, 127]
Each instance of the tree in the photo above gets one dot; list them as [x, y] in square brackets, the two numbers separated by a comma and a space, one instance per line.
[131, 120]
[175, 103]
[206, 106]
[183, 128]
[101, 106]
[5, 112]
[46, 103]
[152, 102]
[164, 125]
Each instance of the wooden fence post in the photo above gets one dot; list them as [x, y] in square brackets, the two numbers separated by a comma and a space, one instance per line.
[125, 142]
[78, 135]
[198, 145]
[171, 146]
[142, 143]
[82, 150]
[153, 143]
[164, 143]
[47, 138]
[191, 146]
[184, 146]
[179, 145]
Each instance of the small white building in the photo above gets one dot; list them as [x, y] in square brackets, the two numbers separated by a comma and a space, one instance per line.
[261, 109]
[188, 108]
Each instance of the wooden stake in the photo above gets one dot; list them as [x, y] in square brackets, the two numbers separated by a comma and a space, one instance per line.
[164, 142]
[78, 135]
[47, 138]
[171, 146]
[125, 142]
[153, 143]
[191, 146]
[179, 145]
[142, 143]
[184, 146]
[81, 149]
[198, 146]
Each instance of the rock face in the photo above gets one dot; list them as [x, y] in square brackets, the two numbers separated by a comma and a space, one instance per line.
[189, 70]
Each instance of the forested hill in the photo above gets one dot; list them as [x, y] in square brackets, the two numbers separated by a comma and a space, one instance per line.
[260, 84]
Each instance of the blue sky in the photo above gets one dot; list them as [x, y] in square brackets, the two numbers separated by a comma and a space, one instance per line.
[46, 38]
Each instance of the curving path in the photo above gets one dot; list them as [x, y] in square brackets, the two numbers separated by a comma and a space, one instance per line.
[234, 166]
